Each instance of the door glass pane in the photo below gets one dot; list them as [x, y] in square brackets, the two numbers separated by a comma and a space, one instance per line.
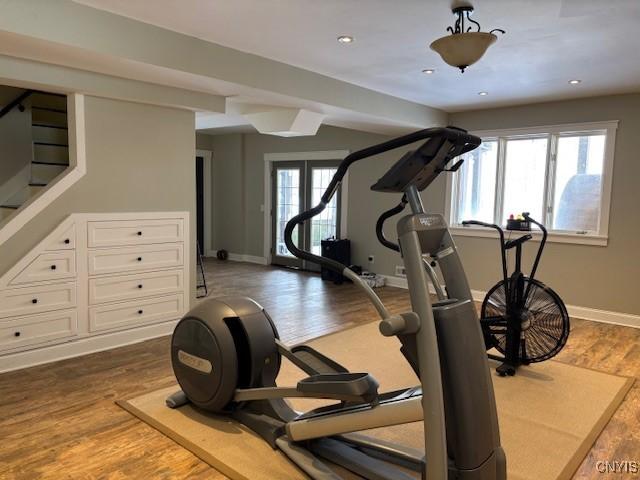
[477, 183]
[579, 165]
[524, 178]
[323, 226]
[287, 206]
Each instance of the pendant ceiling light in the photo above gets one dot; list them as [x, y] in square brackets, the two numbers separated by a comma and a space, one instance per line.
[464, 47]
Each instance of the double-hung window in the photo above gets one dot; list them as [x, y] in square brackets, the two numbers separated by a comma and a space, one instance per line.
[561, 175]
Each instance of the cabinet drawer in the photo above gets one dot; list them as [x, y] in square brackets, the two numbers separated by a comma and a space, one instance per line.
[135, 232]
[35, 329]
[29, 300]
[48, 266]
[139, 312]
[65, 241]
[120, 260]
[126, 287]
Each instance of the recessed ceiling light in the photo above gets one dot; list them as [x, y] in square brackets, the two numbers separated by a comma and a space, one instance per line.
[575, 81]
[345, 39]
[428, 71]
[483, 94]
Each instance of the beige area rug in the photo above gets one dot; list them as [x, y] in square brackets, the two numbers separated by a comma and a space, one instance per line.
[550, 413]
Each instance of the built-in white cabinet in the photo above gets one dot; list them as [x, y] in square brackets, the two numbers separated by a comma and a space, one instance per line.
[136, 312]
[95, 277]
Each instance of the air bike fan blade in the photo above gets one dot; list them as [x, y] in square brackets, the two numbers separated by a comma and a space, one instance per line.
[545, 322]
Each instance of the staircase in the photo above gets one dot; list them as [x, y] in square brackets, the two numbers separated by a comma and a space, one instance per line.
[50, 146]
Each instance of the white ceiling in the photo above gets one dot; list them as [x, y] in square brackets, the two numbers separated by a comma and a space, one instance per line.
[547, 43]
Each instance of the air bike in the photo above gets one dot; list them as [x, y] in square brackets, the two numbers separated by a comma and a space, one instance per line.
[521, 317]
[226, 353]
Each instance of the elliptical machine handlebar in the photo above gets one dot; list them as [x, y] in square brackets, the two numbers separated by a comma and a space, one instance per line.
[464, 140]
[384, 216]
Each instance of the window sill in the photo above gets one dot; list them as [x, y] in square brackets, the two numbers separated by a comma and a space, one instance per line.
[554, 237]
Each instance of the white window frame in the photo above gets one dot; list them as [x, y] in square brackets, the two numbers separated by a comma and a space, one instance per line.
[599, 238]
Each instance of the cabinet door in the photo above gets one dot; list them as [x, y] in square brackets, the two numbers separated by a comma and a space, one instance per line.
[134, 313]
[132, 259]
[127, 287]
[48, 266]
[135, 232]
[30, 300]
[36, 329]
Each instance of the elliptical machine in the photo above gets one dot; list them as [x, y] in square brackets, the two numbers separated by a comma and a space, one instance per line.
[521, 317]
[226, 353]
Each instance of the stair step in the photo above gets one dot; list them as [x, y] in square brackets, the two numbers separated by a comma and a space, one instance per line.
[24, 195]
[51, 144]
[55, 135]
[44, 173]
[6, 212]
[60, 127]
[35, 189]
[9, 206]
[47, 153]
[48, 117]
[49, 100]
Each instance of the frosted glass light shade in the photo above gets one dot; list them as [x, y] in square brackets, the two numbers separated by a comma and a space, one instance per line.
[463, 49]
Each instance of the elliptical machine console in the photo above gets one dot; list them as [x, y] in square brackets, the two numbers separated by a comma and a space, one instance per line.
[226, 352]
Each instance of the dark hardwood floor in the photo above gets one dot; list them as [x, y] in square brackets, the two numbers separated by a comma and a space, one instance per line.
[59, 421]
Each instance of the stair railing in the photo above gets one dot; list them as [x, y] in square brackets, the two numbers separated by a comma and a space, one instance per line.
[17, 102]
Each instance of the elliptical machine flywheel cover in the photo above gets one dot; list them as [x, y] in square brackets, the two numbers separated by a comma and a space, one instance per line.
[221, 345]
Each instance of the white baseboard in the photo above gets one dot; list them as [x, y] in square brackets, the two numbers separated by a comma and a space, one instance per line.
[393, 281]
[584, 313]
[604, 316]
[84, 346]
[239, 257]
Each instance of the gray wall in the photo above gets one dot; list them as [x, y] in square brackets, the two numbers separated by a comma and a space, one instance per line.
[589, 276]
[204, 142]
[139, 158]
[15, 144]
[238, 184]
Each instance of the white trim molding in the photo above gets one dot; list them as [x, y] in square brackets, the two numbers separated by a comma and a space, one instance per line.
[269, 159]
[239, 257]
[77, 169]
[599, 238]
[582, 313]
[542, 129]
[553, 237]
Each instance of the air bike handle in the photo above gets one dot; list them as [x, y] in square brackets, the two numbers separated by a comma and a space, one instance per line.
[456, 135]
[503, 250]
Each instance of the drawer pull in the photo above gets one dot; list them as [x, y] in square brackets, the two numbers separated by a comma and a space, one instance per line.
[140, 312]
[139, 259]
[35, 300]
[140, 286]
[17, 334]
[53, 267]
[139, 234]
[67, 241]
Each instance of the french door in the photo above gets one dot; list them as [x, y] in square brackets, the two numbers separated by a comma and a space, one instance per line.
[298, 186]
